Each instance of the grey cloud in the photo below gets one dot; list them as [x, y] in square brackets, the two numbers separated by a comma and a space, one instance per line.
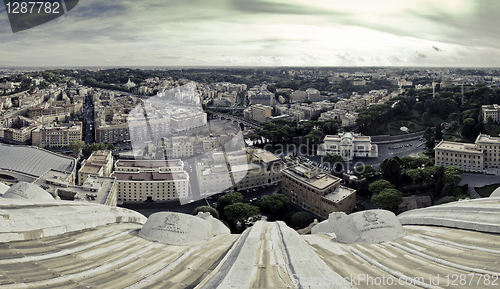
[421, 55]
[436, 48]
[261, 6]
[394, 59]
[480, 28]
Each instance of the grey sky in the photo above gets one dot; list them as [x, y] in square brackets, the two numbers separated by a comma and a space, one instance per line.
[261, 32]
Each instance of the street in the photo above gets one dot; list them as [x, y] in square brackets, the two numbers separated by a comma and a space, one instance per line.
[150, 208]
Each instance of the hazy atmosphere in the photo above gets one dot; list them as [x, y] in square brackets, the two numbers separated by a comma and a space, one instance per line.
[261, 33]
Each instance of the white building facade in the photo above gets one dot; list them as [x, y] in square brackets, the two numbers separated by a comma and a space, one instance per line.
[348, 145]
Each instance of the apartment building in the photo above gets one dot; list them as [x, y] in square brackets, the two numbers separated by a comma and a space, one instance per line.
[317, 191]
[263, 97]
[57, 135]
[18, 130]
[100, 163]
[492, 111]
[188, 120]
[247, 169]
[156, 180]
[484, 154]
[258, 112]
[298, 96]
[463, 155]
[95, 189]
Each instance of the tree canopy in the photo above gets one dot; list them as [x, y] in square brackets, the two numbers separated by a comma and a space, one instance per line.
[380, 185]
[387, 199]
[239, 212]
[206, 209]
[273, 202]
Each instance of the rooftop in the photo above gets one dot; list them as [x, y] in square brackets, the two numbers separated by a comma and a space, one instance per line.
[32, 160]
[95, 189]
[484, 138]
[149, 163]
[149, 176]
[312, 176]
[339, 194]
[458, 147]
[108, 253]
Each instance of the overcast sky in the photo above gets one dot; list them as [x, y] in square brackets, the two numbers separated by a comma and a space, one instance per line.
[261, 32]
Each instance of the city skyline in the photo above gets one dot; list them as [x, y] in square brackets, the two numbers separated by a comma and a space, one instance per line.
[260, 33]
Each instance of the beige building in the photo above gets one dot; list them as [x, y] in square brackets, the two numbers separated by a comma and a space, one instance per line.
[188, 120]
[463, 155]
[484, 154]
[298, 96]
[491, 110]
[95, 189]
[317, 191]
[156, 180]
[57, 135]
[348, 145]
[18, 130]
[100, 163]
[258, 112]
[491, 147]
[248, 169]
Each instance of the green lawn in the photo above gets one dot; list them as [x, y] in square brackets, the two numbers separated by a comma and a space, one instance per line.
[487, 190]
[415, 124]
[393, 128]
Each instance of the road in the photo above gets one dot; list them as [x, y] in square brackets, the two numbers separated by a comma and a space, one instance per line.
[478, 180]
[150, 208]
[88, 114]
[384, 153]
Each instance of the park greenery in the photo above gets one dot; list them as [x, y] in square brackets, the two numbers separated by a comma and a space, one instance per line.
[398, 177]
[283, 135]
[238, 214]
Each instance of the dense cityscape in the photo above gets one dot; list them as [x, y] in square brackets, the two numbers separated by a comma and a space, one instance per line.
[246, 142]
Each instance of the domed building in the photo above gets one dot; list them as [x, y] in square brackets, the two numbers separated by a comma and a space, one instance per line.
[62, 244]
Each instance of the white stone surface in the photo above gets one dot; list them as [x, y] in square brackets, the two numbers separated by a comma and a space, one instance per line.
[27, 191]
[3, 188]
[369, 227]
[27, 220]
[495, 193]
[479, 215]
[176, 229]
[218, 228]
[324, 227]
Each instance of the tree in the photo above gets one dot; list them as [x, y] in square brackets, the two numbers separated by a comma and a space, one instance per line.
[239, 212]
[439, 133]
[468, 127]
[380, 185]
[273, 202]
[387, 199]
[232, 198]
[429, 137]
[444, 200]
[452, 175]
[391, 170]
[364, 171]
[335, 161]
[76, 146]
[301, 220]
[489, 119]
[415, 174]
[206, 209]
